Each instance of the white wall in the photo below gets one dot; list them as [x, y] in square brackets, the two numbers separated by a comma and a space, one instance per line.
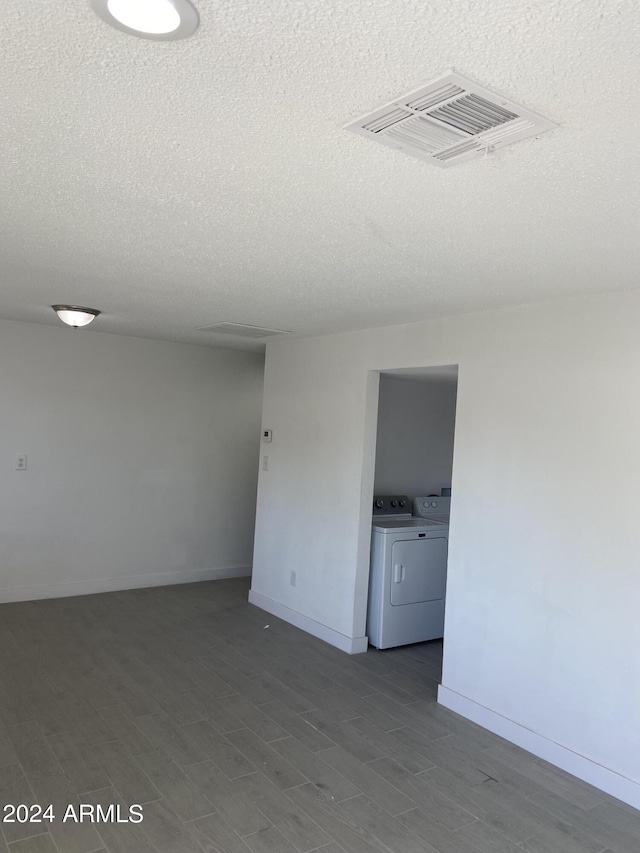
[414, 446]
[542, 626]
[142, 461]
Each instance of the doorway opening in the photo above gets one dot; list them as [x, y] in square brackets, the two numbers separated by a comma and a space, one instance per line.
[412, 491]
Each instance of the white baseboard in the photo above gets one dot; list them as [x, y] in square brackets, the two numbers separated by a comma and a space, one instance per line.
[351, 645]
[595, 774]
[88, 586]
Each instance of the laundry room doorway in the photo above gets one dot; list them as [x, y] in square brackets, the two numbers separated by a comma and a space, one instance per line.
[412, 494]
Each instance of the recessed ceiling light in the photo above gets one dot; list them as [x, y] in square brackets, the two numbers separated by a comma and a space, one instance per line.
[74, 315]
[160, 20]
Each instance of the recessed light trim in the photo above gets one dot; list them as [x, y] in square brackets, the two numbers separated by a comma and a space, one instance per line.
[158, 20]
[75, 315]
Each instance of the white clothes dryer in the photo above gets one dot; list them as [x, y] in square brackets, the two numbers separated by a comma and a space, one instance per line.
[408, 575]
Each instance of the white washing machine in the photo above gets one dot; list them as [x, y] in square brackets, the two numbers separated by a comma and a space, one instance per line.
[408, 576]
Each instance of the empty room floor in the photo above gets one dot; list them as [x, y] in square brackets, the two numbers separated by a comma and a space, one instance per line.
[237, 732]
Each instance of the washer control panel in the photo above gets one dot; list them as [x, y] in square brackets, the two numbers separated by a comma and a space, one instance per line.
[391, 505]
[431, 505]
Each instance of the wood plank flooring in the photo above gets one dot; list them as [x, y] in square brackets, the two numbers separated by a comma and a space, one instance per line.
[240, 734]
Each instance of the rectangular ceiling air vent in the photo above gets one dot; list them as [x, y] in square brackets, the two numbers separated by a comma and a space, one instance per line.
[242, 330]
[450, 121]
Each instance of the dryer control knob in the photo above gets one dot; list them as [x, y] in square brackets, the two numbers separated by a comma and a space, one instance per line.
[403, 503]
[379, 504]
[394, 503]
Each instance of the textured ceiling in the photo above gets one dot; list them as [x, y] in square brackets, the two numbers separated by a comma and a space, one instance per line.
[179, 184]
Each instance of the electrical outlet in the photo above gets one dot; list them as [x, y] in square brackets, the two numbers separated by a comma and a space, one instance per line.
[265, 463]
[21, 462]
[292, 580]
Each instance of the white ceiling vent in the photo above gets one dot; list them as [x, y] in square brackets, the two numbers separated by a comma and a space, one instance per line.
[242, 330]
[450, 121]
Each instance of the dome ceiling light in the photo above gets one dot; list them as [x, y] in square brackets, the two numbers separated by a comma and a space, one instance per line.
[160, 20]
[74, 315]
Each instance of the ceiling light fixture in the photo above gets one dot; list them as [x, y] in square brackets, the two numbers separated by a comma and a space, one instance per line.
[160, 20]
[74, 315]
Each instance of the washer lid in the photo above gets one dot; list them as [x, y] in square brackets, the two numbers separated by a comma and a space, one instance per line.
[413, 525]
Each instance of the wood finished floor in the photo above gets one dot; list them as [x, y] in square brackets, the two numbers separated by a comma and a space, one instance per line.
[240, 733]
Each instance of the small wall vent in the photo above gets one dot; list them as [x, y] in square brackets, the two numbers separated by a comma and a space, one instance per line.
[450, 121]
[242, 330]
